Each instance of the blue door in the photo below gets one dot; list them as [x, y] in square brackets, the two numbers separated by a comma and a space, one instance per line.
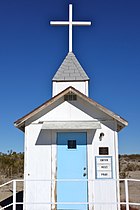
[72, 164]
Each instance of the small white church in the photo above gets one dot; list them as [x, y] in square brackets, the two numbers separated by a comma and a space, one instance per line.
[71, 144]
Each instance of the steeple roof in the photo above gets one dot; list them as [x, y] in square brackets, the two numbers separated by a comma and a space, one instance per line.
[70, 70]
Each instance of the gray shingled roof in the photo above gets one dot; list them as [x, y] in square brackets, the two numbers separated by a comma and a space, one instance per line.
[70, 70]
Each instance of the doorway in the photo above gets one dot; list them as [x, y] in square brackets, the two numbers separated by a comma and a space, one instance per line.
[72, 170]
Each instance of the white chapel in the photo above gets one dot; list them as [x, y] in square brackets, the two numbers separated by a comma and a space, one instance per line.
[71, 144]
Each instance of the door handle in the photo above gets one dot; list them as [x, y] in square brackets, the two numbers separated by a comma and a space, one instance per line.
[84, 174]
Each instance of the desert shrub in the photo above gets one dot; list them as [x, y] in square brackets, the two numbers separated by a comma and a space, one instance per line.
[11, 164]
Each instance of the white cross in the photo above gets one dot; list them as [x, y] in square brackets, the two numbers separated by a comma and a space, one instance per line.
[70, 23]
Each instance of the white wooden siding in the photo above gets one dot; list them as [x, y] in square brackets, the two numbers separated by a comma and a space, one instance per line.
[82, 86]
[41, 156]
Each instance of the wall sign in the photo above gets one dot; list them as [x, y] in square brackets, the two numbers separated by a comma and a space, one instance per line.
[103, 167]
[103, 151]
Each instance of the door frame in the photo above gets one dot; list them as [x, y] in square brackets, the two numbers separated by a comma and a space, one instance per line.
[73, 131]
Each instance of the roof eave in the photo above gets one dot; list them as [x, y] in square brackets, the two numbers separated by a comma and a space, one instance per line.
[79, 80]
[20, 123]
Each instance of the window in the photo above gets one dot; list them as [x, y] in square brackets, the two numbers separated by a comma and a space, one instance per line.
[71, 144]
[70, 97]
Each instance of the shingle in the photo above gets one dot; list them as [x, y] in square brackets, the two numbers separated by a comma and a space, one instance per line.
[78, 78]
[73, 75]
[66, 75]
[70, 70]
[67, 78]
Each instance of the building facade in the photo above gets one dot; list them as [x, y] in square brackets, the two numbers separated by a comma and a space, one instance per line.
[71, 147]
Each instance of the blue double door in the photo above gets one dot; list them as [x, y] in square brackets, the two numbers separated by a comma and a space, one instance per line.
[72, 171]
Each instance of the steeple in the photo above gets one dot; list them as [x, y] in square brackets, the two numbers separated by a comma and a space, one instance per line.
[70, 72]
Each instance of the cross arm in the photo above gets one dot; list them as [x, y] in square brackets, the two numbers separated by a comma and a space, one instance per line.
[59, 23]
[81, 23]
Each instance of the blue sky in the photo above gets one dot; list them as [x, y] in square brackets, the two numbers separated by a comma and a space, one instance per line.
[31, 51]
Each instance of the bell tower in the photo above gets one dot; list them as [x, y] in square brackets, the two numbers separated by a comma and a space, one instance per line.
[70, 73]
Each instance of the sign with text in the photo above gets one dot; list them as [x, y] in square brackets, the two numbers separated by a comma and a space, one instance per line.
[104, 167]
[103, 151]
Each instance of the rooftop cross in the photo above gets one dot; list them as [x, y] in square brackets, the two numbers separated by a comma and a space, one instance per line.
[70, 23]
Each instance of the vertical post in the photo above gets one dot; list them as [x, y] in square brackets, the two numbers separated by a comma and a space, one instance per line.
[14, 194]
[70, 28]
[117, 167]
[118, 194]
[126, 194]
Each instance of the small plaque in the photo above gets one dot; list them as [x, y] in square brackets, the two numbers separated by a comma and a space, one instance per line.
[104, 174]
[71, 144]
[104, 167]
[103, 151]
[103, 160]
